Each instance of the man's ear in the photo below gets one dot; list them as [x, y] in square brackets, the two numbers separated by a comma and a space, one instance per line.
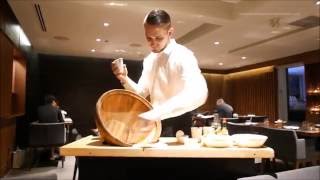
[171, 31]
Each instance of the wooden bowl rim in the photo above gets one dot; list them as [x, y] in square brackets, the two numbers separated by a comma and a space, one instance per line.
[129, 93]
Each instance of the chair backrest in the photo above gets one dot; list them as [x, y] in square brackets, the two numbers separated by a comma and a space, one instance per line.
[283, 142]
[238, 128]
[47, 134]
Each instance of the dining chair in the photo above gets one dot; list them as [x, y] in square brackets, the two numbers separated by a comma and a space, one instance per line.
[46, 135]
[286, 145]
[310, 173]
[238, 128]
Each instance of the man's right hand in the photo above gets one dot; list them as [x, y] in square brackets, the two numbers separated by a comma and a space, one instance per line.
[121, 75]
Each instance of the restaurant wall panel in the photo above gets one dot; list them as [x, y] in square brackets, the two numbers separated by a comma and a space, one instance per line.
[6, 61]
[12, 90]
[253, 92]
[214, 83]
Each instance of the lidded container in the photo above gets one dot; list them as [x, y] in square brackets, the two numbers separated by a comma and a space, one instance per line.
[117, 118]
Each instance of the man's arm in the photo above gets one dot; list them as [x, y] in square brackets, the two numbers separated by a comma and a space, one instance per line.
[60, 118]
[141, 87]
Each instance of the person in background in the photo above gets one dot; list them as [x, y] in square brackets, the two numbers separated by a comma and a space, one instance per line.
[170, 76]
[50, 113]
[223, 109]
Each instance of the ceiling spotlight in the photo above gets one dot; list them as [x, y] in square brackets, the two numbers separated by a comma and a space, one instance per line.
[116, 4]
[216, 43]
[243, 57]
[220, 64]
[106, 24]
[98, 40]
[318, 3]
[135, 45]
[93, 50]
[61, 38]
[199, 16]
[287, 27]
[120, 51]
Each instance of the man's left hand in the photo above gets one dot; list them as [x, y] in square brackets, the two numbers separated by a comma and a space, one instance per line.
[150, 116]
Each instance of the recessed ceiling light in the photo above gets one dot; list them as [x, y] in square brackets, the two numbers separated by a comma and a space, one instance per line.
[120, 51]
[220, 64]
[61, 38]
[93, 50]
[115, 4]
[135, 45]
[199, 16]
[287, 27]
[106, 24]
[318, 3]
[275, 32]
[216, 43]
[98, 40]
[243, 57]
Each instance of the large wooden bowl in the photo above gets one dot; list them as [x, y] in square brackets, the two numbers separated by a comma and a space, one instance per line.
[117, 115]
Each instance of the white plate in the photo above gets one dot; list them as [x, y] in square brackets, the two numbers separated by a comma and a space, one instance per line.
[291, 127]
[317, 125]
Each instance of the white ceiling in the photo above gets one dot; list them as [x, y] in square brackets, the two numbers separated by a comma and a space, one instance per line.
[245, 28]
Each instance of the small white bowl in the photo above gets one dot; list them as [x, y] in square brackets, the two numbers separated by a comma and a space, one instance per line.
[249, 140]
[192, 143]
[218, 141]
[183, 139]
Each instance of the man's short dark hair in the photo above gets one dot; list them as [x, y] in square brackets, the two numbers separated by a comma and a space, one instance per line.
[48, 99]
[158, 17]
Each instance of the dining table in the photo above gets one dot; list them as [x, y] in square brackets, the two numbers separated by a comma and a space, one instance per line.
[305, 129]
[165, 159]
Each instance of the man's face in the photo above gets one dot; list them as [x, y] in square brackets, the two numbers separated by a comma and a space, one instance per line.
[157, 36]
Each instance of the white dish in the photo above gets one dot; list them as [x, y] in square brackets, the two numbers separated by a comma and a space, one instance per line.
[249, 140]
[317, 125]
[218, 141]
[291, 127]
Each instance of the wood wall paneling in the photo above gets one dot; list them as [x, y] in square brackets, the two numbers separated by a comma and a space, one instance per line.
[18, 86]
[9, 38]
[252, 92]
[6, 62]
[249, 92]
[214, 84]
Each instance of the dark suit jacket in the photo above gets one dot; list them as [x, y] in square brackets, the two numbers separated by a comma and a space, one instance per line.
[224, 111]
[49, 114]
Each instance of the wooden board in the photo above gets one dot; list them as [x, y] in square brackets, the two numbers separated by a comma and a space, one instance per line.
[93, 146]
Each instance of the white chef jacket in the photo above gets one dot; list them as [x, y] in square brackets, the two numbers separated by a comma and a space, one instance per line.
[173, 80]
